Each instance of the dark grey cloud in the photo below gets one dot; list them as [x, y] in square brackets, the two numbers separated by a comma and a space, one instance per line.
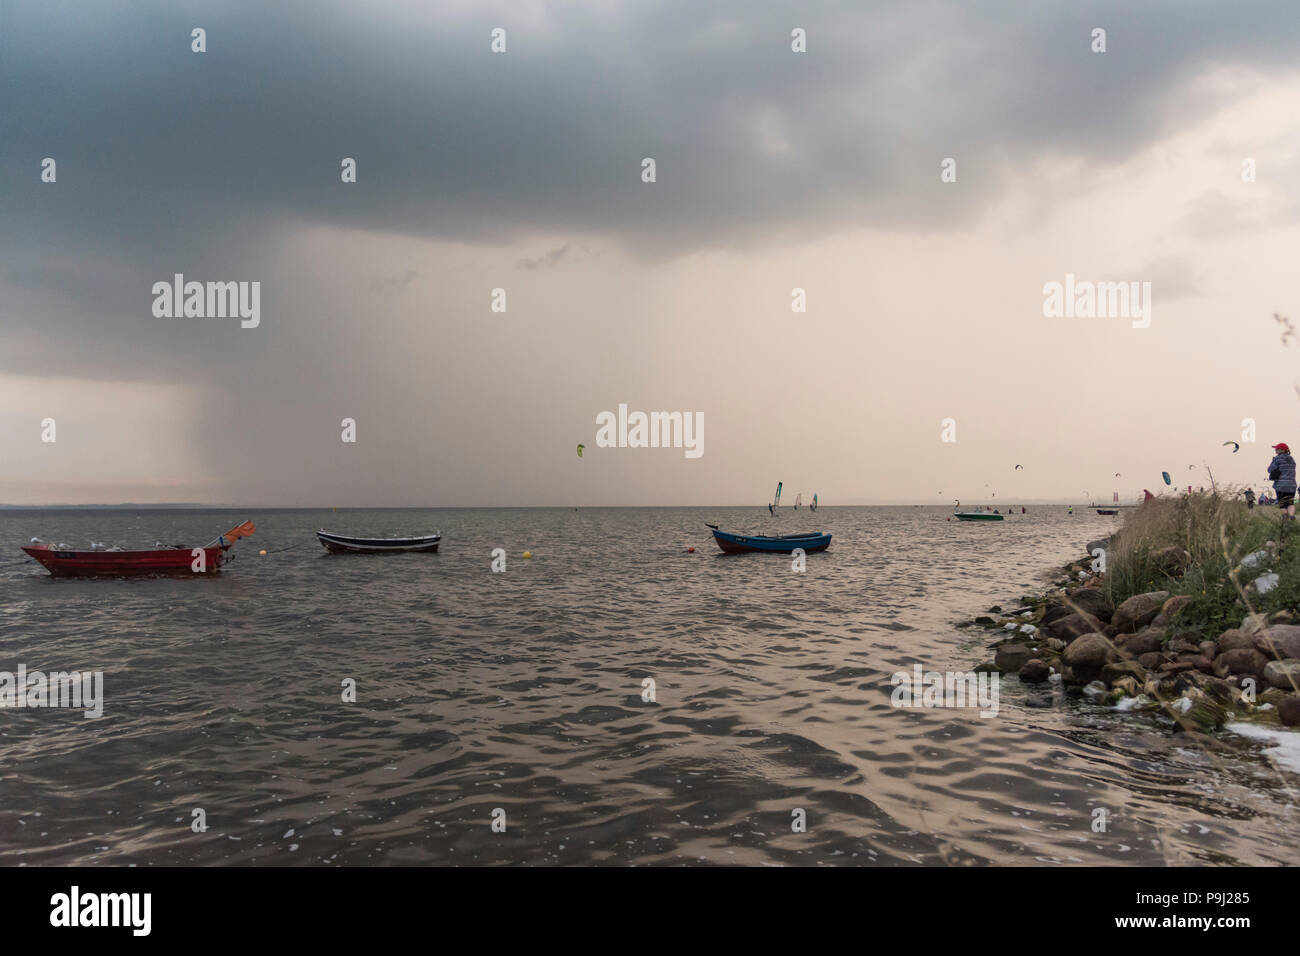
[162, 148]
[175, 161]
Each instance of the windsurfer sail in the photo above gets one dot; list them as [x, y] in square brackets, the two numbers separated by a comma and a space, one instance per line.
[813, 506]
[798, 500]
[776, 501]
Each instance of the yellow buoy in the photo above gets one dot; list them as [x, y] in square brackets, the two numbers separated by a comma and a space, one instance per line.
[528, 554]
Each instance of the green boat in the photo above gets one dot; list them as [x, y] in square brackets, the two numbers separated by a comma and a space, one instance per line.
[979, 514]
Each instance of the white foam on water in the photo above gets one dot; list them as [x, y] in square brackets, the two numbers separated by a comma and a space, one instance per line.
[1285, 753]
[1128, 703]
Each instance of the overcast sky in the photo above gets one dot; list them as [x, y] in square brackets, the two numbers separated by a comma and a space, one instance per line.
[522, 170]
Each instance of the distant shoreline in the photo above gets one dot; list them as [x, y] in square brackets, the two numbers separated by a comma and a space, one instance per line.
[784, 511]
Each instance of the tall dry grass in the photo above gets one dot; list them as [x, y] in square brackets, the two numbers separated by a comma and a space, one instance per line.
[1216, 531]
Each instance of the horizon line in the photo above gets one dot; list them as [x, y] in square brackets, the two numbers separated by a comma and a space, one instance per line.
[194, 506]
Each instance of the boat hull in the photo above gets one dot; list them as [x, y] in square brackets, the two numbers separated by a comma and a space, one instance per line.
[740, 543]
[345, 544]
[1107, 511]
[117, 564]
[977, 516]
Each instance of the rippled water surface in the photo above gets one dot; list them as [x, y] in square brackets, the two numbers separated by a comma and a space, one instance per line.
[523, 691]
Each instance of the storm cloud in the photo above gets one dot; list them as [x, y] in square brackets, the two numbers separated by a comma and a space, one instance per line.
[475, 167]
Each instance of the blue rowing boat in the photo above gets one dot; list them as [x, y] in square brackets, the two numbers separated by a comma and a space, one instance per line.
[783, 544]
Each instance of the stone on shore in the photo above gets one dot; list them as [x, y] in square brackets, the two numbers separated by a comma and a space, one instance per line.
[1072, 626]
[1127, 687]
[1254, 560]
[1144, 642]
[1235, 640]
[1012, 657]
[1055, 612]
[1283, 674]
[1280, 641]
[1035, 671]
[1249, 662]
[1085, 657]
[1088, 601]
[1266, 582]
[1095, 690]
[1138, 611]
[1253, 623]
[1117, 671]
[1151, 659]
[1289, 711]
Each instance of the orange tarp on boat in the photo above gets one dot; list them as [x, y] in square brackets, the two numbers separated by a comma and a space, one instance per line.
[234, 534]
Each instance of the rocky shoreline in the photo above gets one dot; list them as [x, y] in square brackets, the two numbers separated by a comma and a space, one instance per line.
[1137, 657]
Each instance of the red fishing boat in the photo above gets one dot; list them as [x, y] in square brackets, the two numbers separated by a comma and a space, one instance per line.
[174, 560]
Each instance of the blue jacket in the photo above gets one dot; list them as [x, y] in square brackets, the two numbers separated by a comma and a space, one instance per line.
[1281, 471]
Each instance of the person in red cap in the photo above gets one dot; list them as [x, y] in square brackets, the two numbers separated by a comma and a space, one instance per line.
[1281, 471]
